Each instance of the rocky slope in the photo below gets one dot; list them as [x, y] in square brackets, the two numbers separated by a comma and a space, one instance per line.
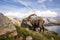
[15, 22]
[6, 26]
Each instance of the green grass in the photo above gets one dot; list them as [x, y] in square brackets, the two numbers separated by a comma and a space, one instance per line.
[36, 36]
[6, 38]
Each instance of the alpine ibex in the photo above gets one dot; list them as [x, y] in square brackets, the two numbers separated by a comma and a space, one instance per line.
[34, 22]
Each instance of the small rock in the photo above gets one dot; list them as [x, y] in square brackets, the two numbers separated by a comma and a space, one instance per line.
[28, 38]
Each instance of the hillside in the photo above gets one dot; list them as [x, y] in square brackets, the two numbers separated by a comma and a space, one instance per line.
[18, 31]
[47, 35]
[6, 26]
[16, 22]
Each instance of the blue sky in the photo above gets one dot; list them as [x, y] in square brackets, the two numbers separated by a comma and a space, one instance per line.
[20, 8]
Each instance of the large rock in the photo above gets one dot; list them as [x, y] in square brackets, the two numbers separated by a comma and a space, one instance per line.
[6, 26]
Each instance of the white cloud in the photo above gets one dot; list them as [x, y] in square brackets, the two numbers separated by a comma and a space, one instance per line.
[21, 12]
[42, 1]
[47, 13]
[17, 14]
[14, 14]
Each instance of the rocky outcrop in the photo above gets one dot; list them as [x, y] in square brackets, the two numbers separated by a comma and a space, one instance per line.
[6, 26]
[15, 22]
